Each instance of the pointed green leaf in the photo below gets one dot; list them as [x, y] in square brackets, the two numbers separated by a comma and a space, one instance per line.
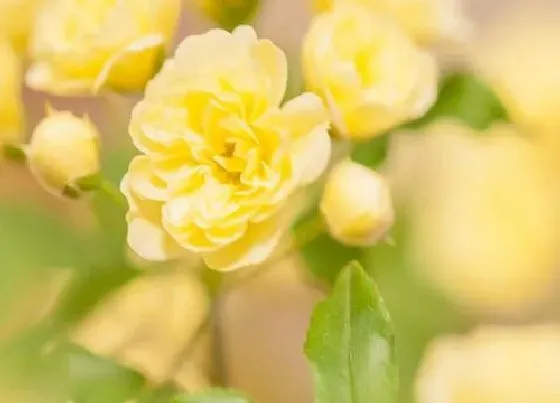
[350, 344]
[467, 98]
[213, 396]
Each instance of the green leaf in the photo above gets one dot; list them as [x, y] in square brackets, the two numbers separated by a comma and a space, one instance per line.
[372, 152]
[213, 396]
[32, 242]
[66, 372]
[350, 344]
[467, 98]
[324, 256]
[110, 241]
[31, 238]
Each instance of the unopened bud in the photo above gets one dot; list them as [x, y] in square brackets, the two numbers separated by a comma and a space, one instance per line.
[64, 153]
[356, 204]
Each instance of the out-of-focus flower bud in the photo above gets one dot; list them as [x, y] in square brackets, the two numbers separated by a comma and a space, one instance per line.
[356, 204]
[11, 110]
[16, 18]
[367, 70]
[80, 47]
[493, 364]
[228, 14]
[63, 151]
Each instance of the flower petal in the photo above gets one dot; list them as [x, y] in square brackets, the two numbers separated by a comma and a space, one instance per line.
[146, 235]
[275, 68]
[144, 49]
[256, 245]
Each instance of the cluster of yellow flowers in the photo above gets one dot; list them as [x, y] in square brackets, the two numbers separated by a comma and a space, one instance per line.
[223, 157]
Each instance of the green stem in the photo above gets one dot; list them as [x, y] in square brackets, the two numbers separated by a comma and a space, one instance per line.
[111, 190]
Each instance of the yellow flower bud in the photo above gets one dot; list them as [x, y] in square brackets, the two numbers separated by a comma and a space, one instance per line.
[16, 17]
[356, 204]
[493, 364]
[427, 21]
[80, 47]
[229, 13]
[369, 72]
[63, 150]
[11, 110]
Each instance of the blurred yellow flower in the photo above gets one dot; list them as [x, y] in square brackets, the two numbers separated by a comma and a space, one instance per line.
[367, 70]
[146, 323]
[16, 18]
[356, 204]
[63, 149]
[520, 58]
[221, 157]
[493, 364]
[82, 46]
[11, 108]
[427, 21]
[484, 214]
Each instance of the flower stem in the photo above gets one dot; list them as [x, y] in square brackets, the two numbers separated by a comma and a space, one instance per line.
[111, 190]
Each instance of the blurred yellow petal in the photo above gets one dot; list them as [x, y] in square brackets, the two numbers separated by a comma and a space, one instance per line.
[77, 47]
[493, 364]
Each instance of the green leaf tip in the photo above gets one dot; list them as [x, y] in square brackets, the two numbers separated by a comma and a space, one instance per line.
[350, 343]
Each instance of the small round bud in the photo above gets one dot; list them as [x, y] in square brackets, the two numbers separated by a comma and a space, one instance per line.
[63, 152]
[356, 204]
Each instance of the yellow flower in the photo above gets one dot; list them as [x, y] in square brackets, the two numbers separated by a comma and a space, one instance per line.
[221, 158]
[356, 204]
[11, 109]
[16, 18]
[484, 214]
[520, 58]
[82, 46]
[493, 364]
[63, 149]
[427, 21]
[367, 70]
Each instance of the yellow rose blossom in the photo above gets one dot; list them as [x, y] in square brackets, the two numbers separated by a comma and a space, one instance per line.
[63, 149]
[356, 204]
[221, 158]
[493, 364]
[82, 46]
[16, 18]
[484, 216]
[427, 21]
[368, 71]
[11, 109]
